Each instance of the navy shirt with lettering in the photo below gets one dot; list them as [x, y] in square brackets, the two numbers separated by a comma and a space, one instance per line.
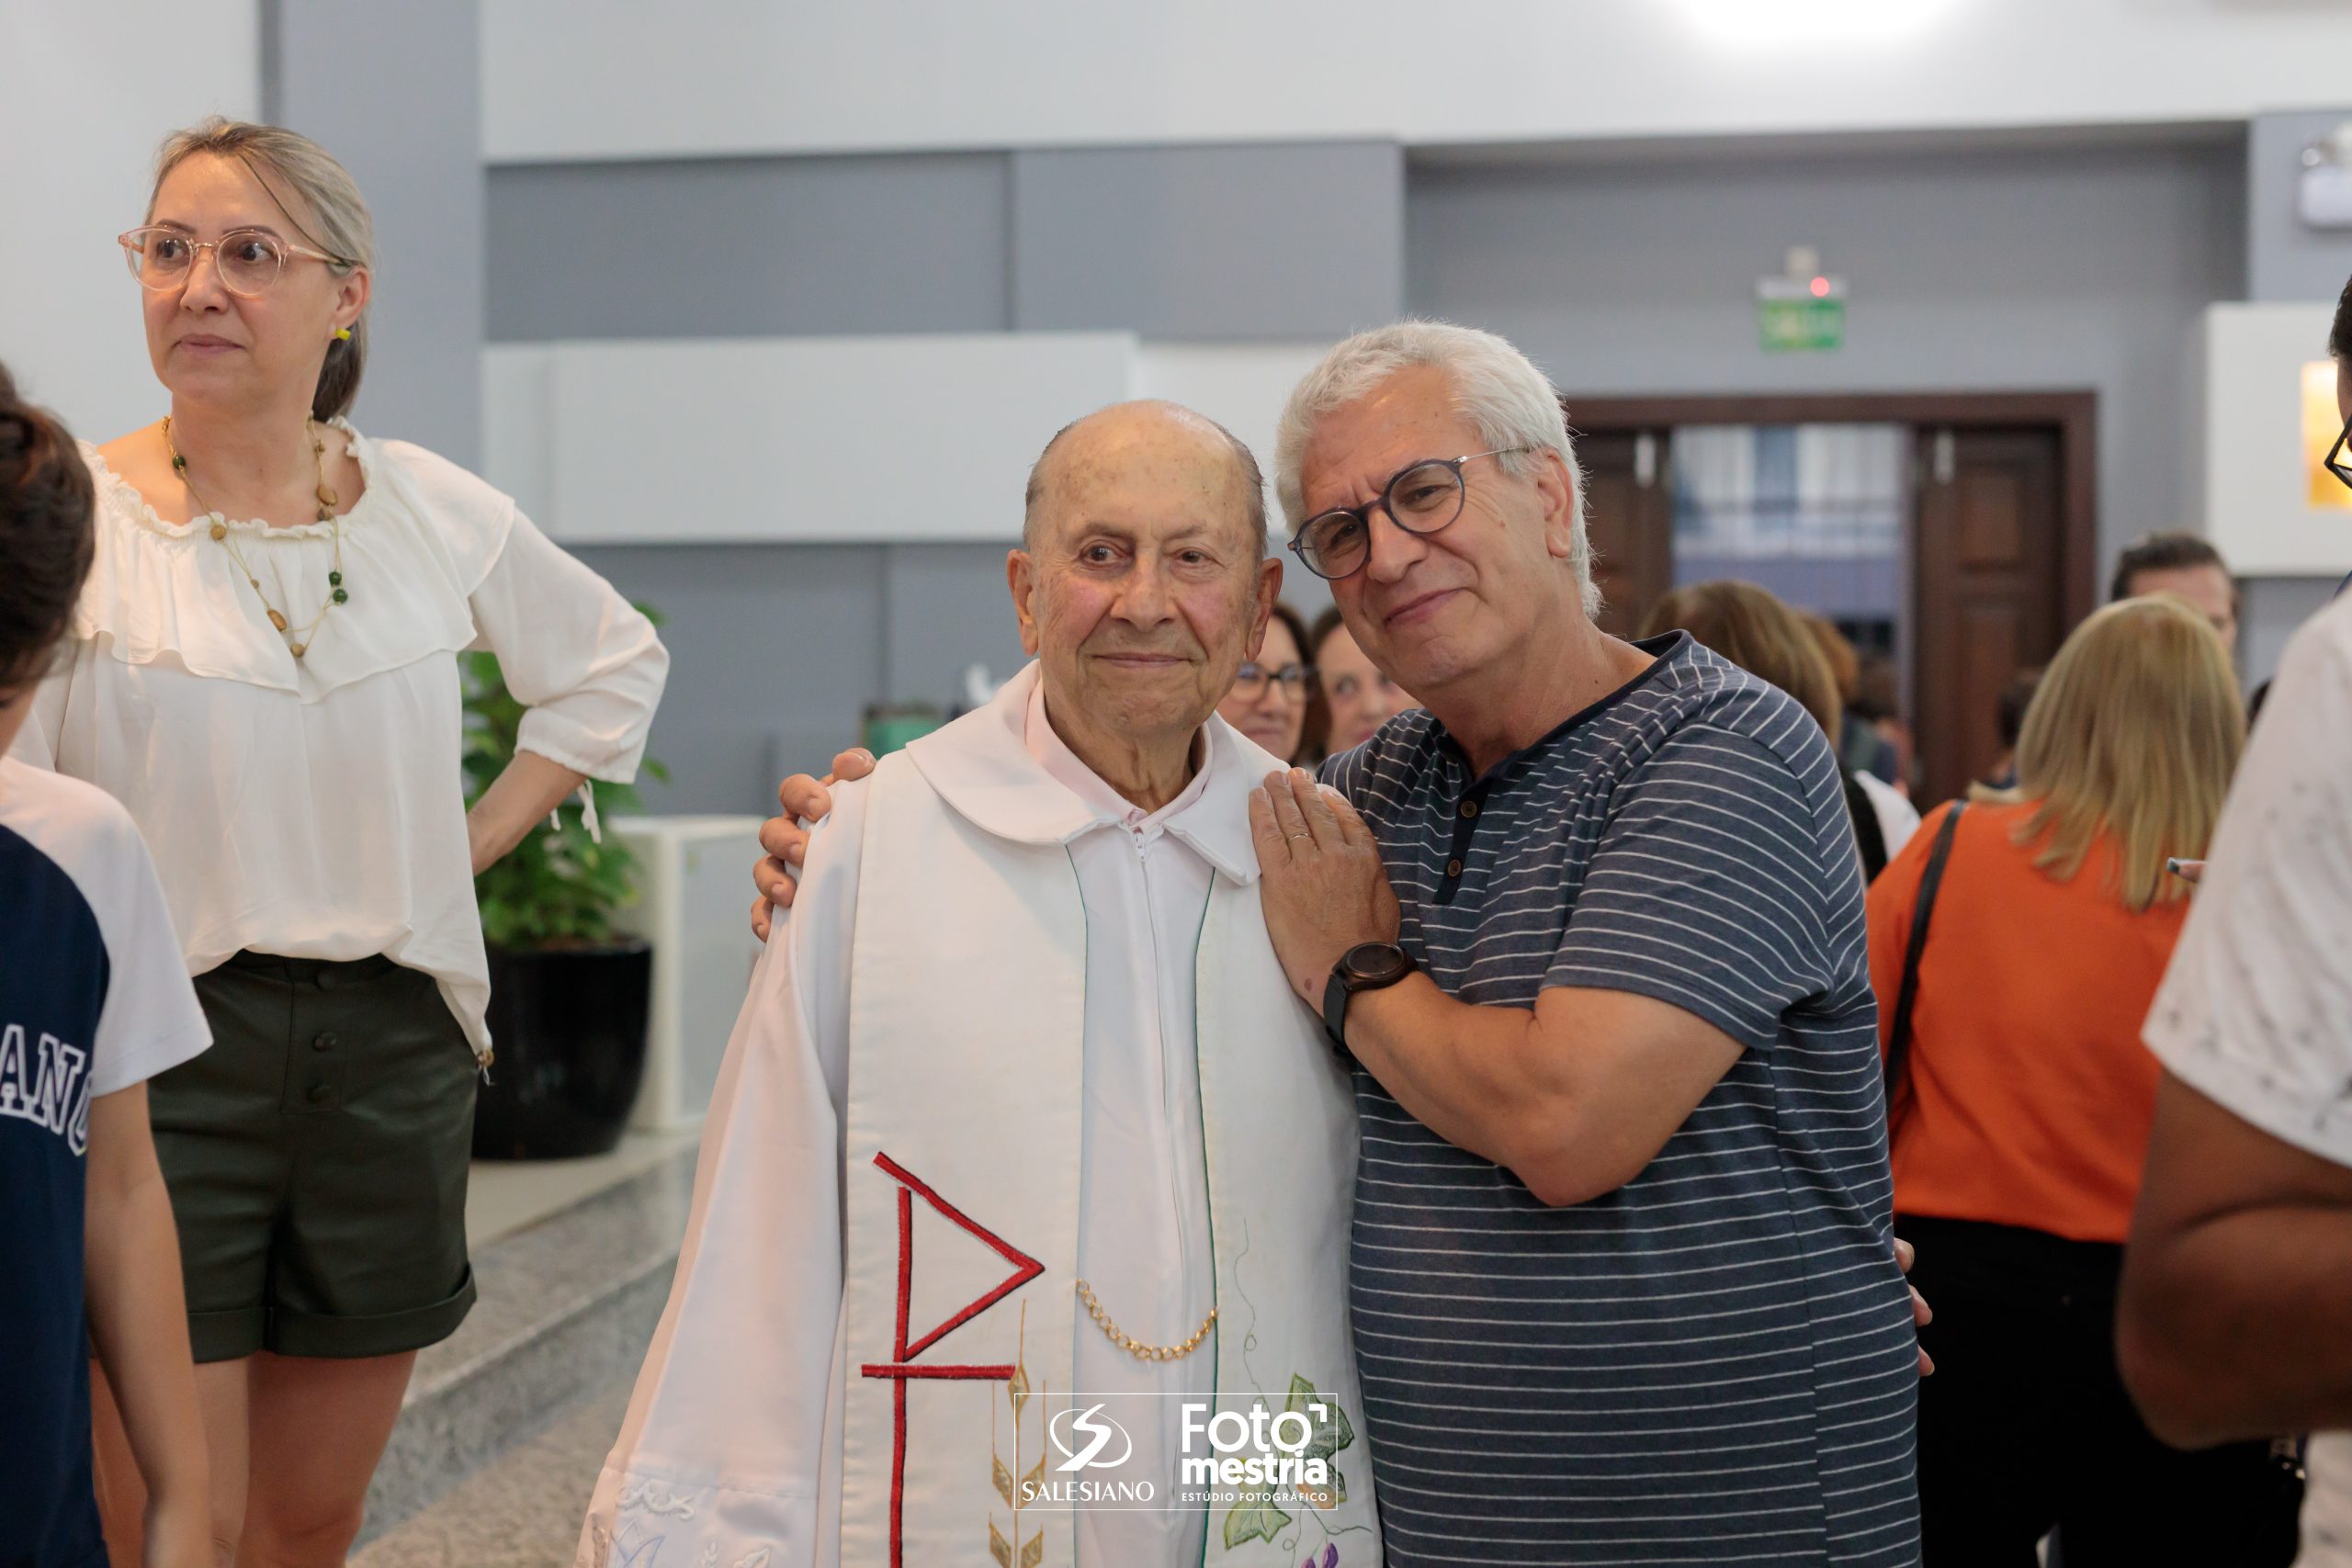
[1714, 1363]
[93, 998]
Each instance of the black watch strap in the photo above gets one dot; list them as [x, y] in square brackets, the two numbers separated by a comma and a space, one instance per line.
[1367, 966]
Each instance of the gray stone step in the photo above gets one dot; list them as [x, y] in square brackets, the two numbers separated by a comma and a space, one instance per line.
[565, 1309]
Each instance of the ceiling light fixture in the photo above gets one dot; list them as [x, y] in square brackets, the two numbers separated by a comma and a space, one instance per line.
[1811, 24]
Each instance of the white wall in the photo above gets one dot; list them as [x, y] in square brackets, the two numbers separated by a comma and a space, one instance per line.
[815, 440]
[566, 79]
[86, 91]
[896, 438]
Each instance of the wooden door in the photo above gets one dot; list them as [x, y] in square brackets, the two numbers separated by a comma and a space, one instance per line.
[1985, 551]
[1629, 518]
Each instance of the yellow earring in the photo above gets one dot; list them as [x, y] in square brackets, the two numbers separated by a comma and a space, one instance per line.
[343, 334]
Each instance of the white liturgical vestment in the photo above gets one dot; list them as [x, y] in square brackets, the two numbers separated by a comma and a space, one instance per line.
[1143, 1217]
[1015, 1033]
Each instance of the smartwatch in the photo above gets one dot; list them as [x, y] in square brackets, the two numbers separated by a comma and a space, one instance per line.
[1367, 966]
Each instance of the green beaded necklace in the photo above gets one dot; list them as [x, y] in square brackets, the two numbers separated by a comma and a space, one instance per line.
[297, 643]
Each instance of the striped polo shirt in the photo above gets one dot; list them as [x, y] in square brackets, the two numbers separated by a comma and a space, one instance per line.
[1714, 1363]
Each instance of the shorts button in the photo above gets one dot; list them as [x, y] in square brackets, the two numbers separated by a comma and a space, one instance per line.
[326, 979]
[323, 1042]
[318, 1092]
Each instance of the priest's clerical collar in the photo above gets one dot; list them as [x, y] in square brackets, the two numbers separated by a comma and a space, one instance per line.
[1068, 770]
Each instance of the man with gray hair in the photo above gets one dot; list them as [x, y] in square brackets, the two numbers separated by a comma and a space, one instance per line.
[1623, 1274]
[1623, 1281]
[1024, 1169]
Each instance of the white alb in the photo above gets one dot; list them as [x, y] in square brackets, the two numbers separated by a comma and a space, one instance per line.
[1062, 1017]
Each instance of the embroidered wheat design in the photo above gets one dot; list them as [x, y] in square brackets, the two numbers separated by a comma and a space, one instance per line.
[1018, 1395]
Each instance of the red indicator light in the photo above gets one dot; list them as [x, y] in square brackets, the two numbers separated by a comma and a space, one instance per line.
[1821, 288]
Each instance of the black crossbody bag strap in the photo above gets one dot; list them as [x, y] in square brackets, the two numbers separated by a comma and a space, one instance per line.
[1898, 1039]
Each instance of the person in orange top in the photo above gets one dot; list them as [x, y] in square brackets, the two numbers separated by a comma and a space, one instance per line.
[2021, 1108]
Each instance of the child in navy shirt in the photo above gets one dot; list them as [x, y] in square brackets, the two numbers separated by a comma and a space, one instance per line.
[95, 999]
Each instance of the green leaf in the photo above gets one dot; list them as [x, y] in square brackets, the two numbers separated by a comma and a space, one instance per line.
[1254, 1517]
[1331, 1432]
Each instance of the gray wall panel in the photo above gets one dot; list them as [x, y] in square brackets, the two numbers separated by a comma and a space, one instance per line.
[746, 247]
[393, 92]
[1995, 271]
[775, 649]
[2273, 607]
[2284, 259]
[1209, 242]
[948, 609]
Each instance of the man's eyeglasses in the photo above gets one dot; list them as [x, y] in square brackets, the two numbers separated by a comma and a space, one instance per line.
[1251, 680]
[1420, 498]
[248, 259]
[2339, 457]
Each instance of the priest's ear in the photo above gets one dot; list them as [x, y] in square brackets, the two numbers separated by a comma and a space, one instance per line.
[1266, 587]
[1021, 576]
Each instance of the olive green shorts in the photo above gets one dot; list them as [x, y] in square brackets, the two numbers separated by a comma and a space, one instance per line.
[316, 1156]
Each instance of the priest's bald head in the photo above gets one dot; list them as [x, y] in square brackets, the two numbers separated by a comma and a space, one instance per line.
[1142, 582]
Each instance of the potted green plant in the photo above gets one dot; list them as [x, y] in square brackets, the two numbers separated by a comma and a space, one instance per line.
[569, 997]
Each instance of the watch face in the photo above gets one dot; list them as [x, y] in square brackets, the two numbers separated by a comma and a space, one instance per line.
[1377, 961]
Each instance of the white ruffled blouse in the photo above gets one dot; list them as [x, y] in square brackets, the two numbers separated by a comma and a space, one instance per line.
[314, 807]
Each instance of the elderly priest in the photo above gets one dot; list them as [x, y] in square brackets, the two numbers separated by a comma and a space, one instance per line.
[1020, 1230]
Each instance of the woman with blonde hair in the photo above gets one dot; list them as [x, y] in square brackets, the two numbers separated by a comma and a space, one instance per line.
[264, 671]
[2014, 947]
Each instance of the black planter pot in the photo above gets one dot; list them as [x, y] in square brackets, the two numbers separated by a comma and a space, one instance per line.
[567, 1025]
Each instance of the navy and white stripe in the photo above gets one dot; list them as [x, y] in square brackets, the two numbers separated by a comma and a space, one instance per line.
[1714, 1363]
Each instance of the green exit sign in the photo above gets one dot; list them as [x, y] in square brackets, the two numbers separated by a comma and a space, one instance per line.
[1798, 326]
[1803, 312]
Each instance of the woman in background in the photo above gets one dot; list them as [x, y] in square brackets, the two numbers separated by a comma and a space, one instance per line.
[1357, 696]
[264, 671]
[2020, 1113]
[1269, 702]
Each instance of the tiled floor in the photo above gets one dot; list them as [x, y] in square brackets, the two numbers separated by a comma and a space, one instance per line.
[521, 1511]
